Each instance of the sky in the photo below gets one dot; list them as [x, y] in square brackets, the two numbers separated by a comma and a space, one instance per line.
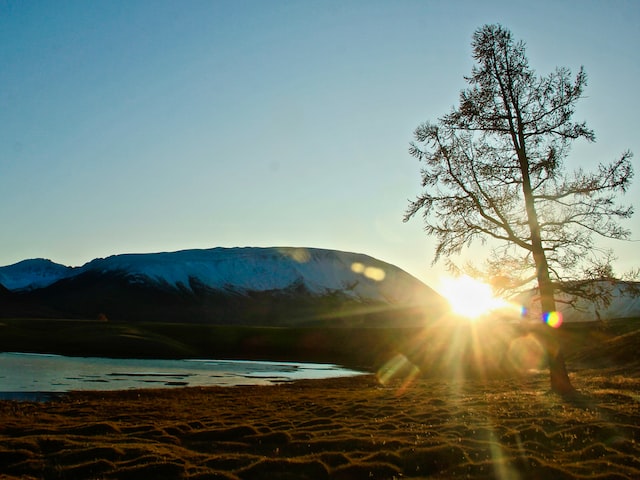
[147, 126]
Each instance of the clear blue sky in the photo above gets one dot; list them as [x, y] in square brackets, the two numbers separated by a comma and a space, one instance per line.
[143, 126]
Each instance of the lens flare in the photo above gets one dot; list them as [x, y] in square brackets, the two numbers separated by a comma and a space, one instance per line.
[553, 319]
[526, 353]
[300, 255]
[372, 273]
[398, 367]
[357, 267]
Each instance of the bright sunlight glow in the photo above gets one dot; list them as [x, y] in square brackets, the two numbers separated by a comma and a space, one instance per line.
[470, 298]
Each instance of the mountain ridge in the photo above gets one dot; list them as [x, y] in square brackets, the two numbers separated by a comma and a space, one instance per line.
[32, 274]
[225, 285]
[620, 299]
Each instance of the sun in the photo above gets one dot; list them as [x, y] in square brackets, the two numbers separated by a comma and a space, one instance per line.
[470, 298]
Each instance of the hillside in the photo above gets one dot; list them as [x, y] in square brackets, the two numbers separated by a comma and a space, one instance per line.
[622, 300]
[256, 286]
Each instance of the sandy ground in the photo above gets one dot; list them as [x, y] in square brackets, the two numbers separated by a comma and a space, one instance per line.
[349, 428]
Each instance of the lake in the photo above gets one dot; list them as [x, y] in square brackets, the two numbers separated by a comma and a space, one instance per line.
[27, 375]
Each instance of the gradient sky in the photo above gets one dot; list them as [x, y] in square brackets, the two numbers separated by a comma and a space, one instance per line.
[144, 126]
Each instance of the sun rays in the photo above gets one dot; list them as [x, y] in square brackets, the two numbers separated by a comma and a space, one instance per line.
[455, 349]
[470, 298]
[478, 339]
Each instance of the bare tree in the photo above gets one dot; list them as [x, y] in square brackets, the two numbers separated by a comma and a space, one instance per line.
[493, 169]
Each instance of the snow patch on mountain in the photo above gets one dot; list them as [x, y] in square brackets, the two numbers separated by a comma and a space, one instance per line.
[242, 270]
[33, 274]
[265, 269]
[624, 302]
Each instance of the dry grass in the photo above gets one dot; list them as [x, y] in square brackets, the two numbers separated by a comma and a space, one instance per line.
[353, 428]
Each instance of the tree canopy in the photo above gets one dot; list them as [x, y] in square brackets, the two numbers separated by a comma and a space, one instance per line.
[494, 169]
[495, 165]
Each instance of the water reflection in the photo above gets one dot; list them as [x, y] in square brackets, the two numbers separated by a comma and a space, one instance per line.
[26, 372]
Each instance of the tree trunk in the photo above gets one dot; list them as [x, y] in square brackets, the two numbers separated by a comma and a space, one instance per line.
[559, 377]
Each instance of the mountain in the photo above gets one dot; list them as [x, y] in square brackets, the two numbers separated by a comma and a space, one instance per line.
[623, 302]
[266, 286]
[33, 274]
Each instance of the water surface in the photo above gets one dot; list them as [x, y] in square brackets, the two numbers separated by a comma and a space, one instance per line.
[22, 373]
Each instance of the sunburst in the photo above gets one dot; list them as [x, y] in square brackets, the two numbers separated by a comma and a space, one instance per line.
[470, 298]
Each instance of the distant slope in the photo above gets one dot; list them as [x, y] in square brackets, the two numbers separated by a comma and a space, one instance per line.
[268, 269]
[33, 274]
[624, 302]
[267, 286]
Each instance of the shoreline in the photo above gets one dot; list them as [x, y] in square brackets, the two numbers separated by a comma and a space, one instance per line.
[39, 397]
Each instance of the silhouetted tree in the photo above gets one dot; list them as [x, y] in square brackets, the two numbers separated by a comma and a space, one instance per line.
[493, 169]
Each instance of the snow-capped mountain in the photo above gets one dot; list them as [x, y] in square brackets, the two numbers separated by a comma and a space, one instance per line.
[33, 274]
[623, 302]
[267, 269]
[220, 284]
